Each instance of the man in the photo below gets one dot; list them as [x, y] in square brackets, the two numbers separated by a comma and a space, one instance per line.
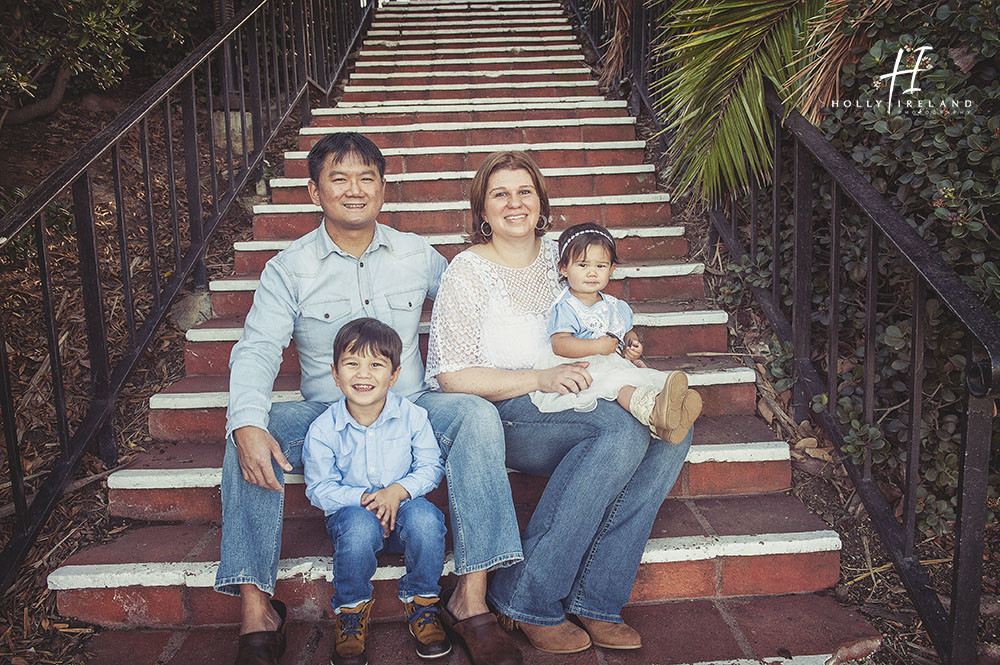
[349, 267]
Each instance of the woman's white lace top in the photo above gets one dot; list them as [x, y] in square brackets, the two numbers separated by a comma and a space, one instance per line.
[488, 315]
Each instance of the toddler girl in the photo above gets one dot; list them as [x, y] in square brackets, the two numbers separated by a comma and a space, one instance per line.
[589, 326]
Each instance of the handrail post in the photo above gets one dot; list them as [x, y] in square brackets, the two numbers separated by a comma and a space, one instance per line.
[300, 48]
[15, 471]
[967, 574]
[93, 310]
[802, 277]
[192, 178]
[637, 75]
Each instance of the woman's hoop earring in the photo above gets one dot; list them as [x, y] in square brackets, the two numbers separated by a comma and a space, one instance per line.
[542, 223]
[484, 227]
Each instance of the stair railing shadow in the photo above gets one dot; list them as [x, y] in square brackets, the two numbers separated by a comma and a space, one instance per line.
[229, 98]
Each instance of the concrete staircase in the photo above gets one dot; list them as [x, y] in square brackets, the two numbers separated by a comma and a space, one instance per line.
[732, 567]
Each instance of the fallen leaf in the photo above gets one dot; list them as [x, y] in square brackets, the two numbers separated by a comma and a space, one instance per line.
[765, 411]
[818, 453]
[808, 442]
[964, 57]
[855, 650]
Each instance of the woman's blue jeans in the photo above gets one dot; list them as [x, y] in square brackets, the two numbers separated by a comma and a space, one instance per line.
[468, 429]
[357, 537]
[584, 543]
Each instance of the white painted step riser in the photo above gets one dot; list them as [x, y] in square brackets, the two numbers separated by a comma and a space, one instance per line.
[479, 149]
[499, 49]
[404, 45]
[657, 550]
[291, 183]
[220, 399]
[440, 240]
[359, 110]
[471, 73]
[471, 62]
[474, 23]
[485, 102]
[412, 35]
[451, 87]
[209, 477]
[475, 126]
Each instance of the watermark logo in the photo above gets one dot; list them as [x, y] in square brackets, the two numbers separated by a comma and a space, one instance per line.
[911, 62]
[896, 71]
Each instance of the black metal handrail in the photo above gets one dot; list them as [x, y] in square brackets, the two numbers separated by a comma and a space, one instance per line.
[255, 70]
[954, 634]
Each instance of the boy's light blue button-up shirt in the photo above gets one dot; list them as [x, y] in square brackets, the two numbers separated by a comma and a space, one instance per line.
[311, 289]
[343, 460]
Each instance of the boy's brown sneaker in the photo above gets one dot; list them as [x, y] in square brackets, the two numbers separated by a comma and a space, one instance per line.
[352, 629]
[423, 616]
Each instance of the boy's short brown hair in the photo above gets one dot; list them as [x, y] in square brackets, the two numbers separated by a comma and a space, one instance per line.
[368, 336]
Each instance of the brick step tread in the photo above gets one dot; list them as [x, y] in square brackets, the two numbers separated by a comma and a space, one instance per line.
[624, 270]
[744, 631]
[212, 390]
[406, 34]
[441, 240]
[361, 76]
[505, 48]
[543, 19]
[365, 116]
[180, 481]
[435, 176]
[424, 42]
[578, 102]
[685, 530]
[418, 15]
[389, 62]
[465, 90]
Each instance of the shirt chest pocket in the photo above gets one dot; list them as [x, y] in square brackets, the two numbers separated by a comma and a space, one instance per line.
[318, 326]
[405, 307]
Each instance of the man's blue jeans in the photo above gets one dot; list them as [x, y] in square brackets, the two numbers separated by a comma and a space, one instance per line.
[357, 537]
[483, 523]
[584, 543]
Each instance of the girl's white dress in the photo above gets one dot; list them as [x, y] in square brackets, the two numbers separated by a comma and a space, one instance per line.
[609, 372]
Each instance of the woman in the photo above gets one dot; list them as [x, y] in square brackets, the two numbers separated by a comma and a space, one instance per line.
[607, 478]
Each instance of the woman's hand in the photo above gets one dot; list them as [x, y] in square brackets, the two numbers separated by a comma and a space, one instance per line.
[563, 379]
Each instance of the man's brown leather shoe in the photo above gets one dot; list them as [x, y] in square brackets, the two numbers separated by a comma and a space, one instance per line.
[482, 636]
[611, 635]
[266, 646]
[565, 637]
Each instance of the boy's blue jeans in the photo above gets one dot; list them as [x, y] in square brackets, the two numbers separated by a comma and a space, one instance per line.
[357, 537]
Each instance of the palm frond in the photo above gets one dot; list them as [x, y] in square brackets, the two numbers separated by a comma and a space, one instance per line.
[835, 39]
[718, 56]
[613, 64]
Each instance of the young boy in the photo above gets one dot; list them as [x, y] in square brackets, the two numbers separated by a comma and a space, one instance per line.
[369, 459]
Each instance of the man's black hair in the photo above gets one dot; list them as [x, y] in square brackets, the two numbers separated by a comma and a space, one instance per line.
[340, 145]
[369, 336]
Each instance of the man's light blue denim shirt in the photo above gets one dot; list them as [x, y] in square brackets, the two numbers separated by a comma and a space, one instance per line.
[342, 459]
[311, 289]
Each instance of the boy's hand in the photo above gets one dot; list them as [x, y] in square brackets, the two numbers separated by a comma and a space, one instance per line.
[385, 504]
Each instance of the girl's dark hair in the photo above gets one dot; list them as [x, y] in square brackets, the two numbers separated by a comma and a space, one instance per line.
[340, 145]
[574, 241]
[368, 336]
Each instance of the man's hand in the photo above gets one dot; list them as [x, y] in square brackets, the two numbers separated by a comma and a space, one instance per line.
[385, 504]
[256, 448]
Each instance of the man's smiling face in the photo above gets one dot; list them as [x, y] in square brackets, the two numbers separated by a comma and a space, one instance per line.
[350, 192]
